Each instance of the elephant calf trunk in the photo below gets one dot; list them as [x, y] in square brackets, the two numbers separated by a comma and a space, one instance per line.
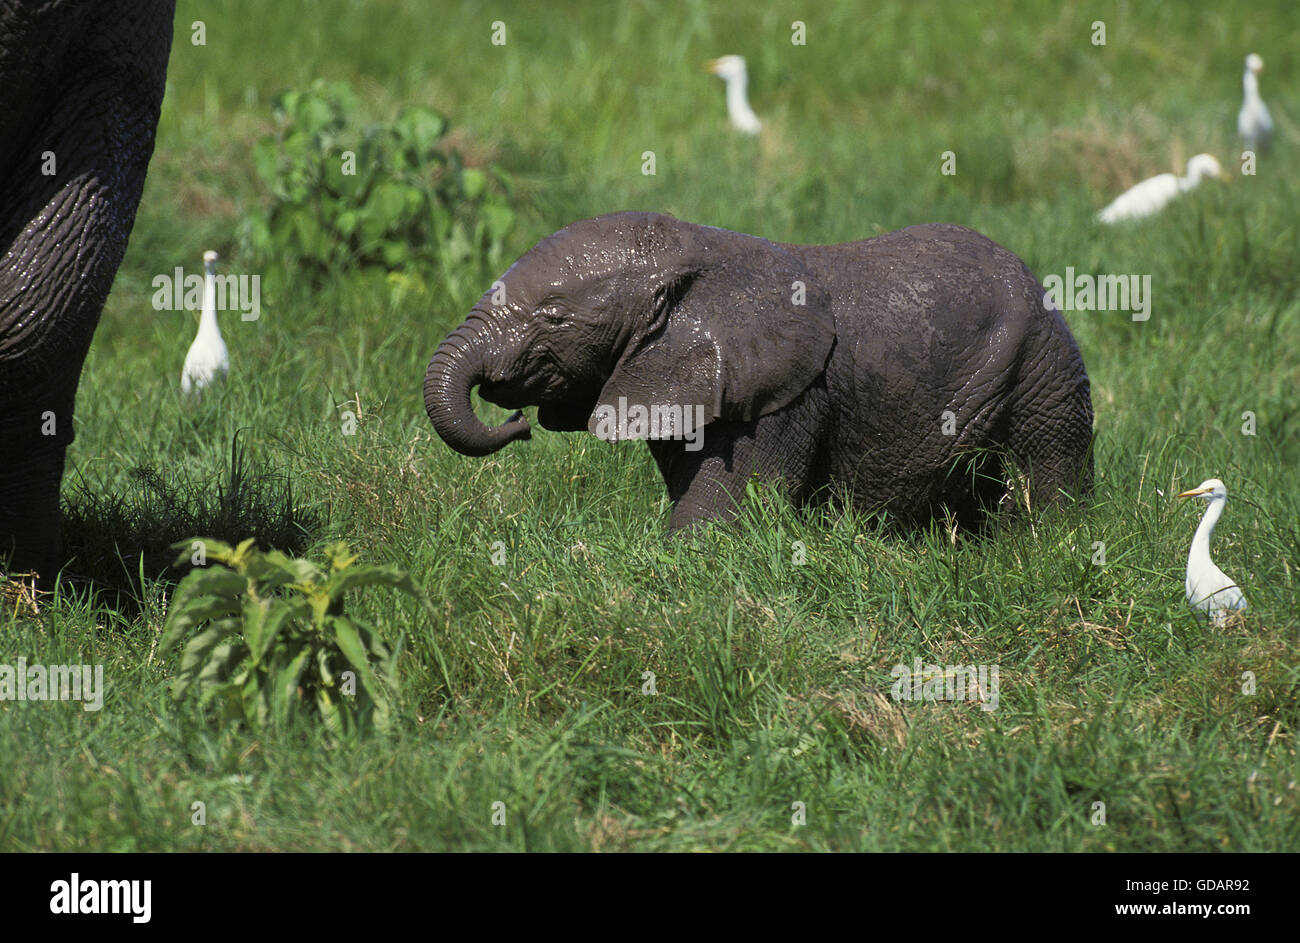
[456, 368]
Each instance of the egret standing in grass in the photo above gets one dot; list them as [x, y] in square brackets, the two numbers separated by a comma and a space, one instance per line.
[207, 358]
[731, 69]
[1254, 123]
[1209, 589]
[1150, 196]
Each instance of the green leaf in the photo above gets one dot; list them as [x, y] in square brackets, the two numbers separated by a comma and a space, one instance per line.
[420, 128]
[342, 97]
[355, 577]
[202, 595]
[259, 235]
[329, 711]
[346, 223]
[215, 580]
[500, 219]
[195, 656]
[266, 160]
[395, 254]
[296, 569]
[383, 212]
[227, 698]
[285, 104]
[223, 660]
[286, 685]
[323, 667]
[254, 612]
[313, 114]
[347, 186]
[349, 642]
[254, 697]
[473, 181]
[282, 613]
[311, 238]
[182, 623]
[215, 551]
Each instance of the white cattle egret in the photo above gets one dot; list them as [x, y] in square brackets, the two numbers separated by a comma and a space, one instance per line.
[1150, 196]
[1254, 123]
[731, 69]
[206, 359]
[1209, 589]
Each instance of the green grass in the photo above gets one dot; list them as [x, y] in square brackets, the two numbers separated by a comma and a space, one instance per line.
[773, 678]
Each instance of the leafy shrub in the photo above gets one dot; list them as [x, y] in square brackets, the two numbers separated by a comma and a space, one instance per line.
[266, 636]
[392, 196]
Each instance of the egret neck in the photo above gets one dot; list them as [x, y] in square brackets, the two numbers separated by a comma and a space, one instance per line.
[208, 330]
[742, 116]
[1198, 557]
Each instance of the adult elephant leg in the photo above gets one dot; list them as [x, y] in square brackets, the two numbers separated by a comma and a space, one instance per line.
[31, 525]
[85, 84]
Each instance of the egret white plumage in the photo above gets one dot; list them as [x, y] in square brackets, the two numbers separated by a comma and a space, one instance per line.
[731, 69]
[1254, 123]
[206, 359]
[1209, 589]
[1150, 196]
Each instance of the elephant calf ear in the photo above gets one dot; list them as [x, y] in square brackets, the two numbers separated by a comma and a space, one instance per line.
[742, 338]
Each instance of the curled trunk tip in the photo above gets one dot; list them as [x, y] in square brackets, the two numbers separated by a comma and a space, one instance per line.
[456, 368]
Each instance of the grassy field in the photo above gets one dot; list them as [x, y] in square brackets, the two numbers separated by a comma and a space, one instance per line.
[772, 676]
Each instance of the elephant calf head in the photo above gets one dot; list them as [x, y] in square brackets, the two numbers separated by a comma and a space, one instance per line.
[633, 311]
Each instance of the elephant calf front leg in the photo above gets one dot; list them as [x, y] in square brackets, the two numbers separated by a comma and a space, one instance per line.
[703, 489]
[709, 484]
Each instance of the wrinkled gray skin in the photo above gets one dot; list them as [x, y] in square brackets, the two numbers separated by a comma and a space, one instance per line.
[83, 80]
[845, 393]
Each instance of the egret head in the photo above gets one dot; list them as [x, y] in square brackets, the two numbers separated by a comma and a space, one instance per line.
[1209, 490]
[209, 257]
[1202, 166]
[728, 68]
[1254, 63]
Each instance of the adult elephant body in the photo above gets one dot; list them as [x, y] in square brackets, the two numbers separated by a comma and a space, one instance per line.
[907, 370]
[83, 84]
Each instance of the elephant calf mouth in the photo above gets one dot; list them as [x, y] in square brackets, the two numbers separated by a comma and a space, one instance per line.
[564, 417]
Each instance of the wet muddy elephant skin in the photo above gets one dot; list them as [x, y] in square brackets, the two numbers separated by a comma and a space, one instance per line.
[82, 87]
[902, 371]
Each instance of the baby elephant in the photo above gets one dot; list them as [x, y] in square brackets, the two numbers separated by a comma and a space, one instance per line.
[907, 373]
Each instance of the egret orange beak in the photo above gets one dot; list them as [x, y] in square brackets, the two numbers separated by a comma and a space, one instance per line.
[711, 65]
[1194, 492]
